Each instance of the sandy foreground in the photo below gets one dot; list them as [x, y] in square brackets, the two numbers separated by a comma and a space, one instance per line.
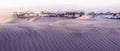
[59, 34]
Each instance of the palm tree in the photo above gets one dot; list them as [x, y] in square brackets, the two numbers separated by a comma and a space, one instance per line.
[74, 13]
[81, 13]
[61, 14]
[71, 13]
[93, 14]
[19, 14]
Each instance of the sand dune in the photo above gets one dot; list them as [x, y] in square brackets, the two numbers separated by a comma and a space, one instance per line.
[58, 34]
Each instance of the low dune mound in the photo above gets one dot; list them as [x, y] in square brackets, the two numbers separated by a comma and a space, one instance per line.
[11, 20]
[31, 19]
[64, 22]
[83, 18]
[45, 19]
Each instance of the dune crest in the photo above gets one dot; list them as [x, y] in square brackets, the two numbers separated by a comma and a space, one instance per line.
[83, 18]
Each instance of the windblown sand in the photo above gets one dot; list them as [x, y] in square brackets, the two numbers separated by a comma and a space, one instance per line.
[59, 34]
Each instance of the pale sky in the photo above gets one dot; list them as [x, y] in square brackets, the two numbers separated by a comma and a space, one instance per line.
[86, 3]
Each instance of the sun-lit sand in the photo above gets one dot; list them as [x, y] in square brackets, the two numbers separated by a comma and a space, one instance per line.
[59, 34]
[84, 17]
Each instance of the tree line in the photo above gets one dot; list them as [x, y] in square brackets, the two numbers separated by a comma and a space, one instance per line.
[63, 14]
[49, 14]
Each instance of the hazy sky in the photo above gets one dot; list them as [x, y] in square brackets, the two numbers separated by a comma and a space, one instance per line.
[86, 3]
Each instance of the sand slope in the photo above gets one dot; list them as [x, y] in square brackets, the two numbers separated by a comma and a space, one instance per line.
[61, 35]
[4, 20]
